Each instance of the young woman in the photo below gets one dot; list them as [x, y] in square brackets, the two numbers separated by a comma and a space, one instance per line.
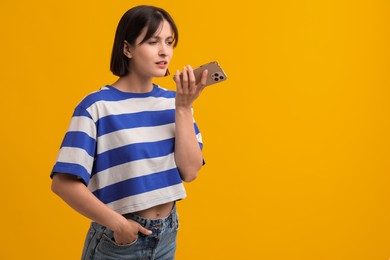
[130, 145]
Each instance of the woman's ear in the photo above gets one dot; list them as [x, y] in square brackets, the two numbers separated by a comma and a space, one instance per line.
[126, 50]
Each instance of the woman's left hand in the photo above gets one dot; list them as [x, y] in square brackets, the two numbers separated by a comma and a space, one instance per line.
[187, 91]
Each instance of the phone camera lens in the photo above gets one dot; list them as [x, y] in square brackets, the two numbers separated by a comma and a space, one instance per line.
[216, 79]
[216, 74]
[221, 77]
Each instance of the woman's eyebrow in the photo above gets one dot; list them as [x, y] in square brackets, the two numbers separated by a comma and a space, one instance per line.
[156, 37]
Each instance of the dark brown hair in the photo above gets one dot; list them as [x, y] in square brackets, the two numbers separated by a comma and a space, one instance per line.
[131, 26]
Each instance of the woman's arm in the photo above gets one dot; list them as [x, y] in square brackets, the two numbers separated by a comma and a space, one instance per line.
[188, 155]
[77, 195]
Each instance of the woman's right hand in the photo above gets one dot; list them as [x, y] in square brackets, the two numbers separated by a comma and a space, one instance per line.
[80, 198]
[127, 233]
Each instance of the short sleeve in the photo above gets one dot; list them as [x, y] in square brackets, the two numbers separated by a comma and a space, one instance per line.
[77, 151]
[199, 137]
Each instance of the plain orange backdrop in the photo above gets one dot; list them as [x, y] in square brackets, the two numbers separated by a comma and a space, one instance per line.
[296, 140]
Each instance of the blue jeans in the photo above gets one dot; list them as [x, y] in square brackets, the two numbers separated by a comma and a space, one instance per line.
[161, 245]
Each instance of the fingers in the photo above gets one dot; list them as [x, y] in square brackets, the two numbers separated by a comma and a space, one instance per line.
[187, 89]
[176, 78]
[187, 79]
[184, 80]
[129, 233]
[191, 79]
[144, 231]
[203, 79]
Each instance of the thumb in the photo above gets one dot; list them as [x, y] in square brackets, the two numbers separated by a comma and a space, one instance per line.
[144, 230]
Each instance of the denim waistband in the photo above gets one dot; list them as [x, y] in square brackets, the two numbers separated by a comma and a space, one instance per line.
[168, 221]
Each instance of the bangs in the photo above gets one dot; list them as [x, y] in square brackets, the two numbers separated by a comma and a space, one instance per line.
[153, 26]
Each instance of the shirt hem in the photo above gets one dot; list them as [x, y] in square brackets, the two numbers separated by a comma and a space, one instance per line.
[149, 204]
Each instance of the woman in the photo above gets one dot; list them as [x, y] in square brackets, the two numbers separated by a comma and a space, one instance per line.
[130, 145]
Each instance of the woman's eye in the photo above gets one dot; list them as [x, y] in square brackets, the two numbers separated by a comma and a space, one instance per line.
[170, 42]
[152, 43]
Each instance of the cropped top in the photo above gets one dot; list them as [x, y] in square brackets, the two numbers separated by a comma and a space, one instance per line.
[121, 145]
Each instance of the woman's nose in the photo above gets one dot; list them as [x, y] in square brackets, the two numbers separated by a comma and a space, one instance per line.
[163, 50]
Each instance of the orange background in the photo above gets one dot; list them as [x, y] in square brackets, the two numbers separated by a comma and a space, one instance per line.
[296, 140]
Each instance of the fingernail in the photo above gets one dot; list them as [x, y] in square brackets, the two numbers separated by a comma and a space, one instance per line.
[189, 66]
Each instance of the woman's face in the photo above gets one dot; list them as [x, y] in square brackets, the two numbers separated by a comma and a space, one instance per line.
[151, 58]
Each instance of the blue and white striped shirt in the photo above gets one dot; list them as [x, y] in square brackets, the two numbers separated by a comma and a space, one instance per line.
[121, 145]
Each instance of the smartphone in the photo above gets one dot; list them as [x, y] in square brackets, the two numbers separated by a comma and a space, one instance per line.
[215, 73]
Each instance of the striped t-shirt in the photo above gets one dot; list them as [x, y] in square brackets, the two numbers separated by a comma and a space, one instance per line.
[121, 145]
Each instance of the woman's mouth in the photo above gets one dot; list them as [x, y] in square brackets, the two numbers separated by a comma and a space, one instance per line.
[162, 64]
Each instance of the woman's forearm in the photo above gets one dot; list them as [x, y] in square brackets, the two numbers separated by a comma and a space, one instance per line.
[77, 196]
[188, 155]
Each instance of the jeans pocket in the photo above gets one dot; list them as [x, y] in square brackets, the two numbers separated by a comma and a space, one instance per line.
[106, 238]
[108, 249]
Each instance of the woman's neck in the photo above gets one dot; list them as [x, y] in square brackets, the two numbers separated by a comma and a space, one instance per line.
[133, 84]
